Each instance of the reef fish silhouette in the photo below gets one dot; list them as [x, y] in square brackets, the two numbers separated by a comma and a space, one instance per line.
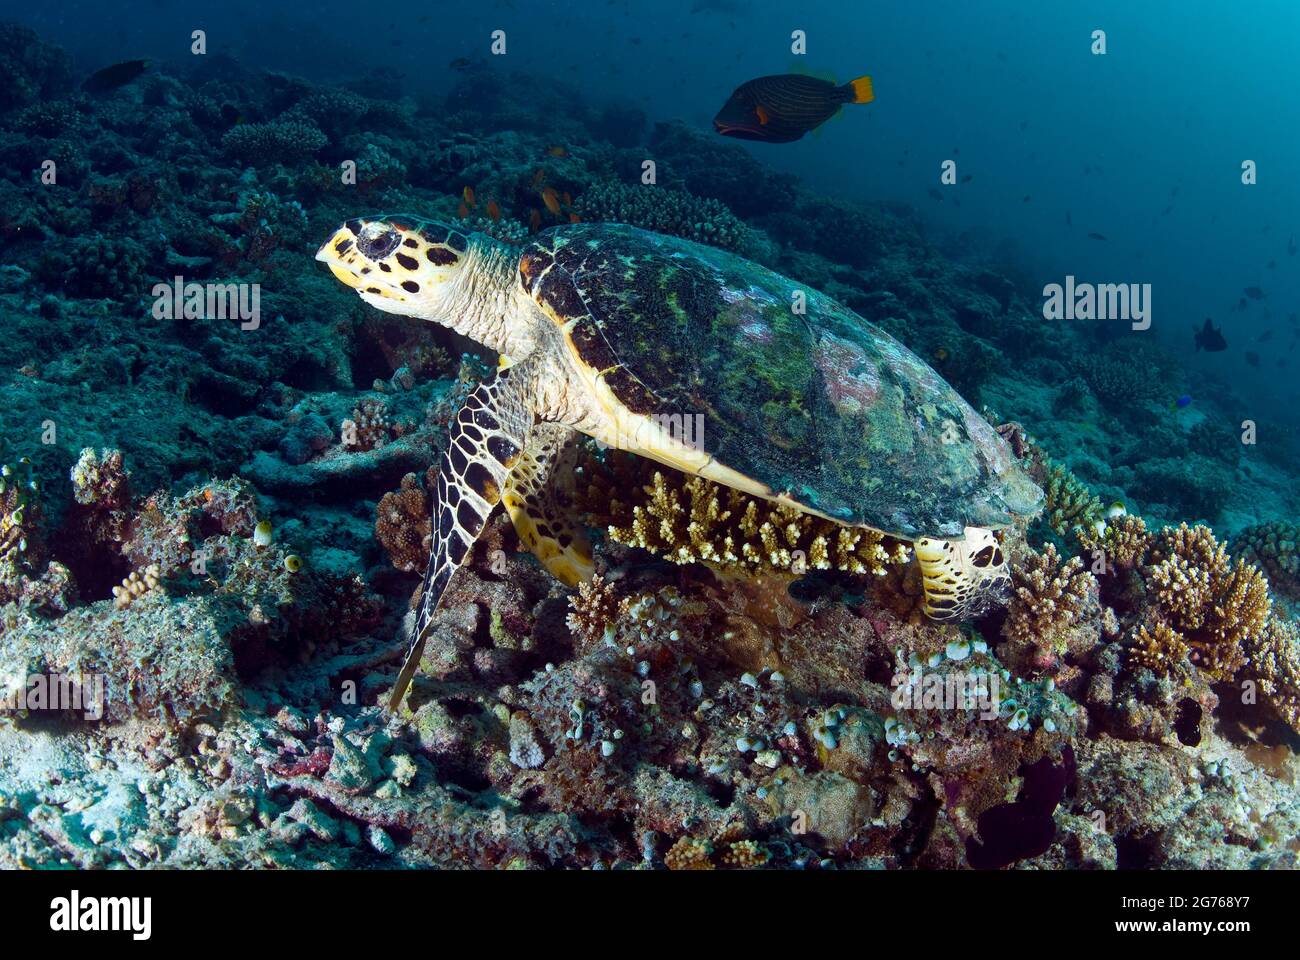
[117, 75]
[1209, 338]
[783, 107]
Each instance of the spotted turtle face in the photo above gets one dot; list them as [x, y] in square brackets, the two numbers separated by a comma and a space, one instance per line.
[399, 264]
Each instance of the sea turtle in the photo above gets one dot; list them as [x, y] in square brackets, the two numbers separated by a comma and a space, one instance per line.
[623, 335]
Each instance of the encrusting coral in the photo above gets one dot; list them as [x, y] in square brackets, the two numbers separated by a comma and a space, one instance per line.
[693, 520]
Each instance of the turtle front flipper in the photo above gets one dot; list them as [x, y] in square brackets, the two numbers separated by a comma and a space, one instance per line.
[486, 443]
[539, 497]
[962, 578]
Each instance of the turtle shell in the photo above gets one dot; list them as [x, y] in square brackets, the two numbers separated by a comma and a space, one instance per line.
[818, 404]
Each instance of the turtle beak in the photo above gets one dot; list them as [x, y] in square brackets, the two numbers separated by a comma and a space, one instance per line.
[338, 253]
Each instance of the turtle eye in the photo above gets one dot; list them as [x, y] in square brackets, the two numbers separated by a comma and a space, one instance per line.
[377, 240]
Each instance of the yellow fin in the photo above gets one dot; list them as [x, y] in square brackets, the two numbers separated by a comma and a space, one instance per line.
[862, 90]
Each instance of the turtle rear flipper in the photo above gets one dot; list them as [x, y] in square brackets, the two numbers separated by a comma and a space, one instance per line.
[962, 578]
[540, 500]
[486, 443]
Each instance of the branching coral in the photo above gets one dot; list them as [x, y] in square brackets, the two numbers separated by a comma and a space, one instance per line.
[1123, 541]
[1209, 603]
[22, 548]
[135, 585]
[664, 210]
[1158, 647]
[1273, 547]
[1053, 609]
[369, 427]
[692, 520]
[1273, 660]
[402, 524]
[282, 141]
[1069, 506]
[593, 612]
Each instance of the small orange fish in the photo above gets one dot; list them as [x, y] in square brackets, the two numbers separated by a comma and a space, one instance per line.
[493, 211]
[558, 152]
[462, 211]
[574, 218]
[535, 219]
[568, 200]
[468, 194]
[552, 200]
[538, 177]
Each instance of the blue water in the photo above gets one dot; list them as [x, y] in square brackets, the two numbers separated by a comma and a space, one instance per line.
[1011, 91]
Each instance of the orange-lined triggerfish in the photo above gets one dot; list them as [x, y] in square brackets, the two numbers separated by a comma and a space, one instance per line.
[782, 108]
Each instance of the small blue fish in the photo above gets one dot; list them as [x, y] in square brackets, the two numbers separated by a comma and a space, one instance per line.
[1184, 401]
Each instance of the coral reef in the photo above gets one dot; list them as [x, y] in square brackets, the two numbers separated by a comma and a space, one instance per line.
[692, 520]
[1211, 604]
[664, 210]
[1052, 613]
[1272, 546]
[218, 530]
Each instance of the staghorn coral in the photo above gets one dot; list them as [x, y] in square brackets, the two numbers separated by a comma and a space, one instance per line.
[693, 520]
[1053, 610]
[1212, 604]
[1273, 547]
[664, 210]
[1273, 660]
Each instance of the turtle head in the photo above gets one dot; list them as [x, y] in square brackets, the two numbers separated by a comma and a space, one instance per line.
[398, 264]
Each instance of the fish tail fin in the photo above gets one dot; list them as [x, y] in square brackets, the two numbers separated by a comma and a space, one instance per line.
[859, 90]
